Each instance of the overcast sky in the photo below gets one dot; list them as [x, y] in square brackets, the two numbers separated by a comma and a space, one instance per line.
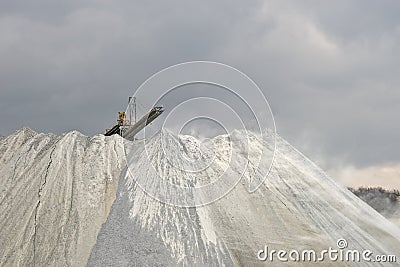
[330, 69]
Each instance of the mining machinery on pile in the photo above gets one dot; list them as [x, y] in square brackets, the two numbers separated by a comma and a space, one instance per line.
[128, 128]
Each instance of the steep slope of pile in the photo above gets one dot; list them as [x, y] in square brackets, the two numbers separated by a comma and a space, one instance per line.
[55, 192]
[298, 207]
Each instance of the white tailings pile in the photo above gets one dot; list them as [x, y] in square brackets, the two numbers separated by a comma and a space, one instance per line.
[56, 191]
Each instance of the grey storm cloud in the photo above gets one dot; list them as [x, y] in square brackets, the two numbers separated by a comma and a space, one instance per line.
[330, 70]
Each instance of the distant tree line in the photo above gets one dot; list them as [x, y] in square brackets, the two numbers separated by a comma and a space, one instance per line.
[386, 202]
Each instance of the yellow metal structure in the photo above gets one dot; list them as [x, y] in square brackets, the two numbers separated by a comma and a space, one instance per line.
[121, 118]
